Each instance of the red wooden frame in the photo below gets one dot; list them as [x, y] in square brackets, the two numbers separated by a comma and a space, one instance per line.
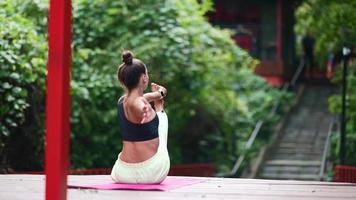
[58, 100]
[279, 29]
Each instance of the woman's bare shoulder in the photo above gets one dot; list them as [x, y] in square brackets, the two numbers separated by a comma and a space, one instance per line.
[138, 103]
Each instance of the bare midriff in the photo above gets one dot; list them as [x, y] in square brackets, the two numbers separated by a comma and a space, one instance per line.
[135, 152]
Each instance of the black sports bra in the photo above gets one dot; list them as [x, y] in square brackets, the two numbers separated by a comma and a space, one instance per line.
[136, 132]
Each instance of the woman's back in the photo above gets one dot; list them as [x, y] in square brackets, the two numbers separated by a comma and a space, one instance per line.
[135, 151]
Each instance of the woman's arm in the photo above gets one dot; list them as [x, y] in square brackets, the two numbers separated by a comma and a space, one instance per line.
[143, 110]
[153, 96]
[158, 93]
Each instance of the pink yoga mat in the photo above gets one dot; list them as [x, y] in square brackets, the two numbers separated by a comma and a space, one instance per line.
[168, 184]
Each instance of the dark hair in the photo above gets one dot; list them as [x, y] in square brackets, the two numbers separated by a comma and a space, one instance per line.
[130, 70]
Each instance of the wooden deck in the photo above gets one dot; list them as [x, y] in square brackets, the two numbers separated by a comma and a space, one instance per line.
[19, 187]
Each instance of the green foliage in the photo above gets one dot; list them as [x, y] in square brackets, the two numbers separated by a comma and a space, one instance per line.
[335, 107]
[350, 146]
[22, 61]
[213, 95]
[333, 23]
[192, 62]
[335, 101]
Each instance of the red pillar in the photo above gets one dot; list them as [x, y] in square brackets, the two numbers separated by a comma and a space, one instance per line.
[58, 100]
[279, 29]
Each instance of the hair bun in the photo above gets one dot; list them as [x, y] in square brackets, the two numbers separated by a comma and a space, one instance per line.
[127, 57]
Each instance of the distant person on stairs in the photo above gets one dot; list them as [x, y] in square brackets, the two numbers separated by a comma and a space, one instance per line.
[308, 50]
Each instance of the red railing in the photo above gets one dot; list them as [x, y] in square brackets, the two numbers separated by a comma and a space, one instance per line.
[345, 174]
[207, 170]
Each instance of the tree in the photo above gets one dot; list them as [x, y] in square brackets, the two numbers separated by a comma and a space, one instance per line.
[22, 61]
[333, 23]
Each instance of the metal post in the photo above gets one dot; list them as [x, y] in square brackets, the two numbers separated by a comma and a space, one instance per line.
[234, 141]
[343, 120]
[58, 100]
[279, 29]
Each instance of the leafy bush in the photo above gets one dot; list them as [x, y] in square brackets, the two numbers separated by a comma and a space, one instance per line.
[350, 149]
[335, 107]
[213, 94]
[22, 61]
[332, 23]
[202, 68]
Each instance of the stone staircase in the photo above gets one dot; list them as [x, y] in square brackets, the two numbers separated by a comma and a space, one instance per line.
[298, 153]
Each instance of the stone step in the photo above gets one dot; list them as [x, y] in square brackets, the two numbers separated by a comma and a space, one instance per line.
[302, 157]
[299, 140]
[313, 132]
[298, 153]
[312, 151]
[293, 162]
[304, 136]
[299, 150]
[295, 145]
[291, 169]
[310, 125]
[301, 146]
[290, 176]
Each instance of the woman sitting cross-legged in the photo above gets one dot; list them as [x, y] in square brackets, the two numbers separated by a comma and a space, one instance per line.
[144, 157]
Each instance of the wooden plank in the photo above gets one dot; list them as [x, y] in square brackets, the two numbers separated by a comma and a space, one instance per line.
[58, 100]
[32, 187]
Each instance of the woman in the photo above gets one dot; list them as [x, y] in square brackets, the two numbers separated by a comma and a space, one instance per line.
[144, 157]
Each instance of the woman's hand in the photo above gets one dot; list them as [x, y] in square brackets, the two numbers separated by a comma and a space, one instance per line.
[158, 88]
[158, 104]
[158, 93]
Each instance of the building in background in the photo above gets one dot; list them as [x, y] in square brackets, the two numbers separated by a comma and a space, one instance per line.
[265, 29]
